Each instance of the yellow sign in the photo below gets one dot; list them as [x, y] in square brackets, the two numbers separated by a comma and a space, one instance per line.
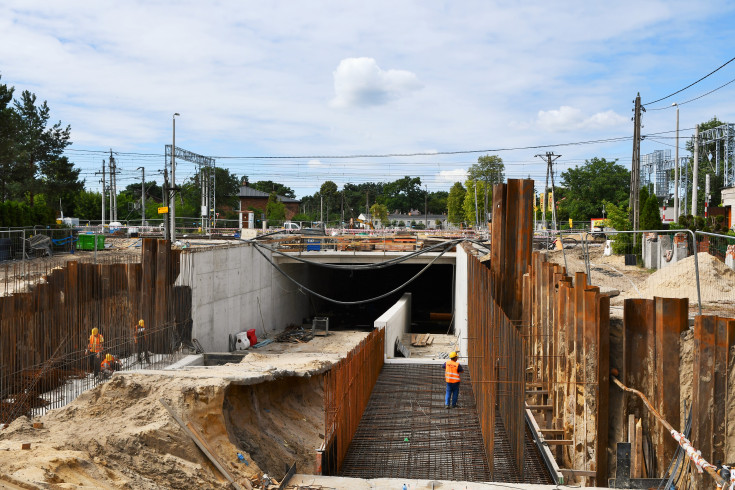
[571, 223]
[163, 210]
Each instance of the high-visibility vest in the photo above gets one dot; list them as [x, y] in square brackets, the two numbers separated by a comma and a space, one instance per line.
[95, 343]
[451, 374]
[138, 331]
[106, 364]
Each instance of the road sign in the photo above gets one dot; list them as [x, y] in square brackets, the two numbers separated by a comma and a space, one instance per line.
[163, 210]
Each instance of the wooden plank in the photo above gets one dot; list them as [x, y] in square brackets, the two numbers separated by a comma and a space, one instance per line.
[573, 473]
[203, 446]
[552, 432]
[540, 407]
[637, 471]
[558, 442]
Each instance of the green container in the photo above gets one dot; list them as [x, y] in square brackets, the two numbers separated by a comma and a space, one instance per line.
[86, 242]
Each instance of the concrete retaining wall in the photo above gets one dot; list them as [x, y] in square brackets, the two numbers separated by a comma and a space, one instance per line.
[235, 289]
[460, 302]
[396, 321]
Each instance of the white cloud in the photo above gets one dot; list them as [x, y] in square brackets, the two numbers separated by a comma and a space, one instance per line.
[360, 82]
[314, 163]
[455, 175]
[568, 118]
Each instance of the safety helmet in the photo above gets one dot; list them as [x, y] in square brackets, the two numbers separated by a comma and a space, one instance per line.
[95, 331]
[141, 322]
[108, 357]
[452, 355]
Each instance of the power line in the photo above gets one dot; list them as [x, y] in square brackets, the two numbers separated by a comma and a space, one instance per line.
[694, 83]
[692, 100]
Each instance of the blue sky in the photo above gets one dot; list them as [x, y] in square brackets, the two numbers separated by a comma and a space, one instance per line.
[336, 78]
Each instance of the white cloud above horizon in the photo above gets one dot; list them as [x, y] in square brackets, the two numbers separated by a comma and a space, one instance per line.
[360, 82]
[568, 118]
[329, 78]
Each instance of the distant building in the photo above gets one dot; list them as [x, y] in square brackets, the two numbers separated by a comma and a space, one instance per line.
[253, 198]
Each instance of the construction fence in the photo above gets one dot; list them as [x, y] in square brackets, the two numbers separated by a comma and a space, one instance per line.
[347, 388]
[46, 326]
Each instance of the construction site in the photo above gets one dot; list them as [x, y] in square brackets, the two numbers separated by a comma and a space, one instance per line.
[270, 362]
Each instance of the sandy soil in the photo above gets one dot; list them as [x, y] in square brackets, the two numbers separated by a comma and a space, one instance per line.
[269, 407]
[443, 344]
[717, 281]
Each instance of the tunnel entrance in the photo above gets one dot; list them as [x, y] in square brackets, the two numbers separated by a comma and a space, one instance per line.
[432, 295]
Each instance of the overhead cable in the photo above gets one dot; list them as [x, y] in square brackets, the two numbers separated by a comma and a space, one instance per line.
[693, 83]
[349, 303]
[691, 100]
[379, 265]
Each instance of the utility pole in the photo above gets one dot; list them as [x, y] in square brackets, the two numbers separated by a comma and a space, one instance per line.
[204, 209]
[172, 210]
[426, 207]
[113, 176]
[142, 196]
[104, 195]
[165, 199]
[550, 158]
[695, 172]
[635, 174]
[477, 212]
[676, 168]
[321, 208]
[110, 165]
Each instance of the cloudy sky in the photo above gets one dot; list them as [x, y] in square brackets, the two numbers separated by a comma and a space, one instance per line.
[320, 81]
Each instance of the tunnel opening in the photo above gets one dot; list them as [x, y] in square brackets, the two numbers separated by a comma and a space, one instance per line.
[432, 295]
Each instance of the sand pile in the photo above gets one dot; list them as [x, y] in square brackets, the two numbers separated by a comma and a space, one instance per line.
[679, 280]
[118, 435]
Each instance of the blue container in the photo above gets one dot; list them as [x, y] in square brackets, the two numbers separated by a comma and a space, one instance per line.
[313, 244]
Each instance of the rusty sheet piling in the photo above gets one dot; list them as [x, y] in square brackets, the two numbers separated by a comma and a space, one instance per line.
[45, 329]
[347, 388]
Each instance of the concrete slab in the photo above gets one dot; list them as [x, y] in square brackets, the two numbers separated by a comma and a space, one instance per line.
[318, 481]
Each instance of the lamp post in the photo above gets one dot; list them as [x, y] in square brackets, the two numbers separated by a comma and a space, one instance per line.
[172, 210]
[676, 168]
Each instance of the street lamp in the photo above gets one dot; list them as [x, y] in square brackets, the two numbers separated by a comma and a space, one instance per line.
[676, 167]
[172, 211]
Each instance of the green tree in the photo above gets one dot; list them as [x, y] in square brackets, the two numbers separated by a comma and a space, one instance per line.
[438, 202]
[650, 218]
[455, 203]
[380, 212]
[404, 195]
[270, 186]
[8, 140]
[275, 210]
[60, 182]
[587, 186]
[39, 144]
[490, 170]
[469, 202]
[617, 218]
[88, 205]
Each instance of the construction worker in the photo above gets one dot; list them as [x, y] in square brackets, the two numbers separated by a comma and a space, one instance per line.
[109, 365]
[140, 341]
[94, 349]
[451, 375]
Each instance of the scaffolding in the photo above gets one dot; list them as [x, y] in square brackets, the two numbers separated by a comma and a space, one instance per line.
[657, 173]
[206, 176]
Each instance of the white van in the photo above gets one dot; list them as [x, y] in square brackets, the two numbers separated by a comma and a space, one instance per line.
[291, 227]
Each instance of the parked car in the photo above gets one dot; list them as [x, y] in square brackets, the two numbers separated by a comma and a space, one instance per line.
[291, 227]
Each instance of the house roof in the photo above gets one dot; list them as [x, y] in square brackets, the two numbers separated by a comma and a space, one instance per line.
[246, 191]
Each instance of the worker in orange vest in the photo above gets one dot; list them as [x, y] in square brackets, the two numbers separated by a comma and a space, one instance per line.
[451, 375]
[94, 349]
[109, 365]
[139, 338]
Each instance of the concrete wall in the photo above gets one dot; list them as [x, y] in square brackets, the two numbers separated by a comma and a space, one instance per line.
[396, 321]
[460, 302]
[235, 289]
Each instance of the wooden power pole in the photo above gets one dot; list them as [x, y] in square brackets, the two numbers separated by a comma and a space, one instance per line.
[635, 171]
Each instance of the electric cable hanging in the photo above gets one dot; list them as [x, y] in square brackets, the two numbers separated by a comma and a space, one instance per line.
[349, 303]
[379, 265]
[692, 100]
[693, 83]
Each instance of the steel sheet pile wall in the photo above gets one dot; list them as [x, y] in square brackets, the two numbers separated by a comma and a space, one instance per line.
[45, 331]
[568, 351]
[495, 342]
[650, 364]
[496, 362]
[347, 388]
[713, 391]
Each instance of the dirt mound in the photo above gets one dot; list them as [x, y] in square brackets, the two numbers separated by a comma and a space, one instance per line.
[119, 435]
[680, 281]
